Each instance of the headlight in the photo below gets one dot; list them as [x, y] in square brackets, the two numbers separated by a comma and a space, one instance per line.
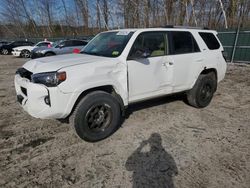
[50, 79]
[38, 51]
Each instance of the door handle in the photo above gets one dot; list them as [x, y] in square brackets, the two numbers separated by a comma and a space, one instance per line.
[166, 64]
[199, 60]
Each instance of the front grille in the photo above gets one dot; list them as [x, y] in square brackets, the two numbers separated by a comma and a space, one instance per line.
[24, 73]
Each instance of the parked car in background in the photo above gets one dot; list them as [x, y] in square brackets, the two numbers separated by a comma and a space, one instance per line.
[58, 47]
[8, 48]
[3, 43]
[25, 51]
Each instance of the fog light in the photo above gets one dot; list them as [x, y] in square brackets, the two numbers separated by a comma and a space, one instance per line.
[47, 100]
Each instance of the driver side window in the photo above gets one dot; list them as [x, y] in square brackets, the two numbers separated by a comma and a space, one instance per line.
[149, 44]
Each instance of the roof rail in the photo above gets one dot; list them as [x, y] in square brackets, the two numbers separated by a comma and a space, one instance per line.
[184, 27]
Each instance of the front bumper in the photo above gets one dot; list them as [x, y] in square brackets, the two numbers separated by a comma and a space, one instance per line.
[16, 53]
[32, 96]
[35, 55]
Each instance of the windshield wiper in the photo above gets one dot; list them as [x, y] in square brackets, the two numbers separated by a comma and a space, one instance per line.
[91, 53]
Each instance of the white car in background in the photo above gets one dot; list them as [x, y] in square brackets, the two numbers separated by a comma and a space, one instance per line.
[24, 51]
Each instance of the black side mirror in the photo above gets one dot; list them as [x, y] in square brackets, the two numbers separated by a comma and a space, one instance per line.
[142, 53]
[146, 54]
[60, 45]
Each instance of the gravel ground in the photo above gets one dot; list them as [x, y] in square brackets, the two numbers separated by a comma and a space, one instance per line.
[162, 142]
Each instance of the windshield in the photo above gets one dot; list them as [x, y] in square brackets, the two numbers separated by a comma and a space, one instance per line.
[109, 44]
[56, 43]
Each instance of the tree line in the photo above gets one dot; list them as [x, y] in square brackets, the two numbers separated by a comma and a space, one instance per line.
[52, 18]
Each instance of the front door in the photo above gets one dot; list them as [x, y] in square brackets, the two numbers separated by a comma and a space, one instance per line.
[150, 72]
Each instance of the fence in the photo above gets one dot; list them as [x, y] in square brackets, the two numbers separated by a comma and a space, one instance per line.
[236, 44]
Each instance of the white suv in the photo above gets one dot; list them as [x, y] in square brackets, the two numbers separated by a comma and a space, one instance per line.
[118, 68]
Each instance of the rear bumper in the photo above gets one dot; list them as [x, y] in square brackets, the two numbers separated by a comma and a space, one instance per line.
[32, 97]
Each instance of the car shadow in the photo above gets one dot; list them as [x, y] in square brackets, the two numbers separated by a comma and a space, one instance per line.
[153, 102]
[151, 165]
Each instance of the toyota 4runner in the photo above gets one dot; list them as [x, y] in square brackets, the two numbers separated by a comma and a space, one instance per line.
[92, 89]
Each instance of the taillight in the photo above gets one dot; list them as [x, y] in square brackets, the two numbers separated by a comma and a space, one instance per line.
[225, 55]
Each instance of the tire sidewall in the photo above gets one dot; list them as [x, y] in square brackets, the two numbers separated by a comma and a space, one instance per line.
[49, 54]
[212, 83]
[4, 51]
[23, 52]
[82, 128]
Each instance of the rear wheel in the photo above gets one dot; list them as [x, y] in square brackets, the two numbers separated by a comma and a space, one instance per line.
[5, 52]
[202, 93]
[49, 54]
[25, 53]
[97, 116]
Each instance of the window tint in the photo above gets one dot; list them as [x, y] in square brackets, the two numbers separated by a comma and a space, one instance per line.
[210, 40]
[43, 44]
[151, 43]
[28, 43]
[79, 43]
[68, 43]
[183, 42]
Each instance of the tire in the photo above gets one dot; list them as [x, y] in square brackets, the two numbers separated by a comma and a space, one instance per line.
[25, 54]
[5, 52]
[49, 54]
[97, 116]
[201, 94]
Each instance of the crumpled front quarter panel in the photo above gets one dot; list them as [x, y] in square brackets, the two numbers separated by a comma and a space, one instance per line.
[86, 76]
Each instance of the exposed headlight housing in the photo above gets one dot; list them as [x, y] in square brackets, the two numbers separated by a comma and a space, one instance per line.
[50, 79]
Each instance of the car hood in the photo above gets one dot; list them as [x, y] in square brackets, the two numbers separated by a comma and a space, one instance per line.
[54, 63]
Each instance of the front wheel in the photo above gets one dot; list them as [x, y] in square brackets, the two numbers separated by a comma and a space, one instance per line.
[202, 93]
[97, 116]
[25, 54]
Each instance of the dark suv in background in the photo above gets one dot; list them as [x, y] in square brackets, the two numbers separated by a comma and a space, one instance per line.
[8, 48]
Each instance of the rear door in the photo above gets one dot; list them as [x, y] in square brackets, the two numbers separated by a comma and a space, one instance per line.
[149, 73]
[68, 47]
[185, 56]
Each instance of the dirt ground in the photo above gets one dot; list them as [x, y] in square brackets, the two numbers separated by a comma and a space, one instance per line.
[162, 142]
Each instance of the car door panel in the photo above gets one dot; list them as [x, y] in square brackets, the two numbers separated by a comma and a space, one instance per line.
[150, 76]
[186, 57]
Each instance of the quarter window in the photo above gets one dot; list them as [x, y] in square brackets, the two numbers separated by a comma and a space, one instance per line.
[210, 40]
[183, 42]
[79, 43]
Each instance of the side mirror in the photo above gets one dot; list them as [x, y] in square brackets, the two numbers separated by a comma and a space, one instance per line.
[141, 53]
[60, 46]
[145, 54]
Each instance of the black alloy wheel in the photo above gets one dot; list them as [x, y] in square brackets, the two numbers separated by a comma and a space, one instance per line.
[98, 117]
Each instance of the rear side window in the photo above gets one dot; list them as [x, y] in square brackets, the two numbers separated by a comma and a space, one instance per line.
[43, 44]
[79, 43]
[68, 43]
[210, 40]
[183, 42]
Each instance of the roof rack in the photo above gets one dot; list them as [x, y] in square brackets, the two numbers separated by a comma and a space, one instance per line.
[184, 27]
